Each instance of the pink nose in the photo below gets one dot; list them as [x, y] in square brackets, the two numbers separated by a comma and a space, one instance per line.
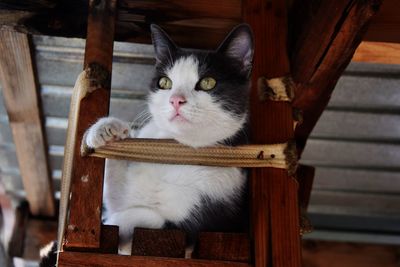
[177, 101]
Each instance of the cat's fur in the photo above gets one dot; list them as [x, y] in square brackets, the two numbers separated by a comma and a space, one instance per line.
[191, 198]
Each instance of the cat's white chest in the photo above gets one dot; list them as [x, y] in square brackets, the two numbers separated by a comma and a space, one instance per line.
[169, 190]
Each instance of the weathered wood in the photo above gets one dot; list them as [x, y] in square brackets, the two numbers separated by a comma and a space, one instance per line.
[209, 20]
[159, 243]
[83, 230]
[338, 254]
[223, 246]
[274, 203]
[68, 19]
[21, 101]
[16, 243]
[378, 52]
[75, 259]
[324, 42]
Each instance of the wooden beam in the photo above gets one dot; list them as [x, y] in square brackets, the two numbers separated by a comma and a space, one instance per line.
[75, 259]
[22, 103]
[385, 25]
[324, 43]
[340, 254]
[210, 20]
[274, 202]
[84, 224]
[378, 52]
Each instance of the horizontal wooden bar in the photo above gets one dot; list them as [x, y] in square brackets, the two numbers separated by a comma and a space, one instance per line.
[378, 52]
[75, 259]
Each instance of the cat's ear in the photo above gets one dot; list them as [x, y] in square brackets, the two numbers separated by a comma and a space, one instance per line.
[164, 47]
[239, 45]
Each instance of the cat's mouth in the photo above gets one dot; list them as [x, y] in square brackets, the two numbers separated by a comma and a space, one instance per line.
[178, 118]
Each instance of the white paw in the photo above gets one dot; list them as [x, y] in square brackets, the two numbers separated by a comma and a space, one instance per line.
[106, 130]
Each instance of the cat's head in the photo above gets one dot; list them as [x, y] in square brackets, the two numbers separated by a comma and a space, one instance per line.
[201, 97]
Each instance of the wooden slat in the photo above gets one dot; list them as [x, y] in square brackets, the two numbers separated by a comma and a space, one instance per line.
[83, 230]
[274, 203]
[378, 52]
[75, 259]
[159, 243]
[223, 246]
[335, 254]
[21, 100]
[325, 41]
[210, 20]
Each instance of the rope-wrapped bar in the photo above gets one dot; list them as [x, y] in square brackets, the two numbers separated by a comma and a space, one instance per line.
[171, 152]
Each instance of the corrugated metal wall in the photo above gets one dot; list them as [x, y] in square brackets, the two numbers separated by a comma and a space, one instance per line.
[355, 145]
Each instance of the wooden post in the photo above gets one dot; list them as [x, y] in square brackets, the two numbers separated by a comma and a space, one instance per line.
[22, 103]
[83, 230]
[274, 201]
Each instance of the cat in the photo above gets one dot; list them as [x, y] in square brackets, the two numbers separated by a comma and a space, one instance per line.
[199, 98]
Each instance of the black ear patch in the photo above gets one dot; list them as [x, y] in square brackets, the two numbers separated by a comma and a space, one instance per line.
[164, 47]
[239, 45]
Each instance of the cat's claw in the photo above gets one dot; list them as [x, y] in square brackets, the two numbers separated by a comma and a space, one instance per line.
[106, 130]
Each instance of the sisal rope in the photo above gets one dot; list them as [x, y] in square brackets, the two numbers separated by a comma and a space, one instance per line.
[171, 152]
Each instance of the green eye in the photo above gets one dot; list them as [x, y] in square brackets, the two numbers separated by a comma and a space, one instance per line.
[207, 83]
[165, 83]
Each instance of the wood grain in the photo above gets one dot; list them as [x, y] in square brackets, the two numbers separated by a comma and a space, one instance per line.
[274, 203]
[24, 114]
[378, 52]
[75, 259]
[159, 243]
[223, 246]
[324, 43]
[83, 230]
[338, 254]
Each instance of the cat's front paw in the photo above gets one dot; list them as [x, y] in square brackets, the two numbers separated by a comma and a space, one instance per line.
[106, 130]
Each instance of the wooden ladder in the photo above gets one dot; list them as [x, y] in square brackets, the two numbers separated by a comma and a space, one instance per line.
[274, 239]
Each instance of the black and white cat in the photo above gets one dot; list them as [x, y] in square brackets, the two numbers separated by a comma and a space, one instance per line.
[199, 98]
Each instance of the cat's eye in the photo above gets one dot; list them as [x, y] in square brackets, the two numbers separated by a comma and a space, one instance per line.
[165, 83]
[207, 83]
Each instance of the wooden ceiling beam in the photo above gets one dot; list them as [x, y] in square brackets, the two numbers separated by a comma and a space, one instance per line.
[325, 38]
[21, 99]
[207, 21]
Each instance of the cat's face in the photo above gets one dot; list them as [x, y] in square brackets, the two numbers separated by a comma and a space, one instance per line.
[201, 97]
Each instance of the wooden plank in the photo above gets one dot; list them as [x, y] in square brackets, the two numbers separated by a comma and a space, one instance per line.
[274, 202]
[223, 246]
[341, 254]
[385, 26]
[75, 259]
[83, 231]
[159, 243]
[378, 52]
[324, 42]
[21, 100]
[68, 19]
